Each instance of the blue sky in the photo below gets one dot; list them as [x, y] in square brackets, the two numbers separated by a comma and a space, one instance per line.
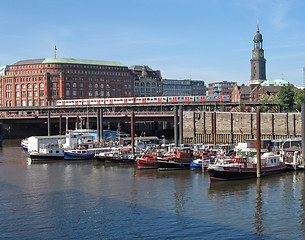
[197, 39]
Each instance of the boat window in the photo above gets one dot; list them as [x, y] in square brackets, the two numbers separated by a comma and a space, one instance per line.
[57, 151]
[50, 151]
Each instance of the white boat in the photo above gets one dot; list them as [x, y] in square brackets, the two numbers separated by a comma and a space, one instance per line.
[48, 152]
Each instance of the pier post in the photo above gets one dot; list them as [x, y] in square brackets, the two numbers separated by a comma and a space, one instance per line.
[181, 125]
[67, 124]
[60, 123]
[132, 131]
[214, 128]
[303, 131]
[49, 123]
[101, 124]
[77, 122]
[258, 143]
[175, 126]
[98, 124]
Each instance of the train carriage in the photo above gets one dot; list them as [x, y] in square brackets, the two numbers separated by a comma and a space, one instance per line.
[146, 100]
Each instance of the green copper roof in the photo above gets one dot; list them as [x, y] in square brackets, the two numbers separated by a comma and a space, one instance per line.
[275, 82]
[82, 61]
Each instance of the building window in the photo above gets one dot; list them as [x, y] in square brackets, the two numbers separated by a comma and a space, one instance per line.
[17, 86]
[81, 85]
[17, 94]
[68, 93]
[67, 85]
[74, 93]
[96, 93]
[41, 103]
[23, 95]
[35, 94]
[35, 85]
[29, 86]
[74, 85]
[41, 85]
[90, 93]
[29, 94]
[41, 94]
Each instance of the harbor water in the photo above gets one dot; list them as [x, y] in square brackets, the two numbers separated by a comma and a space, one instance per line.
[92, 200]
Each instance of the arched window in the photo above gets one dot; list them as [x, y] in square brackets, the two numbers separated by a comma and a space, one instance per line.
[74, 85]
[29, 86]
[17, 86]
[41, 85]
[23, 86]
[96, 85]
[35, 85]
[90, 85]
[102, 85]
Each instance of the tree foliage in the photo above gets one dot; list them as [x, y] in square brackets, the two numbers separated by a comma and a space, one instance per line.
[286, 97]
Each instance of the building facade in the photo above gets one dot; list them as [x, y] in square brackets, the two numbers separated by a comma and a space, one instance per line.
[41, 82]
[147, 82]
[220, 88]
[172, 87]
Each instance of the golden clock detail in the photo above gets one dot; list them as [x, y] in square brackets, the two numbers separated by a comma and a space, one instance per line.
[254, 54]
[261, 54]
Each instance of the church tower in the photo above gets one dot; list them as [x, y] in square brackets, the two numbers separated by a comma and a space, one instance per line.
[258, 62]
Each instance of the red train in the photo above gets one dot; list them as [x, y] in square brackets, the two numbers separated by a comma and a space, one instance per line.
[134, 100]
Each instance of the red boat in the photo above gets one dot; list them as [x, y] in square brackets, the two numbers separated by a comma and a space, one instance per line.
[148, 160]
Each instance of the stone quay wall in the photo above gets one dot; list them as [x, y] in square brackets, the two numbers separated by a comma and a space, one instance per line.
[235, 127]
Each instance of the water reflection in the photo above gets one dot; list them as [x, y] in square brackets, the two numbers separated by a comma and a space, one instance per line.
[258, 216]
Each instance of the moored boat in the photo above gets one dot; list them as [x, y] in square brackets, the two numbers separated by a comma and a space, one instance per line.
[47, 152]
[24, 144]
[81, 152]
[179, 159]
[240, 167]
[148, 160]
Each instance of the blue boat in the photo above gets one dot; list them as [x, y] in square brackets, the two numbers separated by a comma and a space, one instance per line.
[81, 152]
[24, 144]
[77, 154]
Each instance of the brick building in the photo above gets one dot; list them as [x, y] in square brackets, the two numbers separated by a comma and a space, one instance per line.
[247, 94]
[40, 82]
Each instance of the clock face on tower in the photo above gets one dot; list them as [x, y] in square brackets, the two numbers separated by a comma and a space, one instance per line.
[261, 54]
[254, 54]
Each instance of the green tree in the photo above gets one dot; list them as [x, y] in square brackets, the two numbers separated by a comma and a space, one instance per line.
[299, 97]
[286, 97]
[266, 100]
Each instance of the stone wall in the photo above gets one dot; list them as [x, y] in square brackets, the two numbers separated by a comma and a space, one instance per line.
[235, 127]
